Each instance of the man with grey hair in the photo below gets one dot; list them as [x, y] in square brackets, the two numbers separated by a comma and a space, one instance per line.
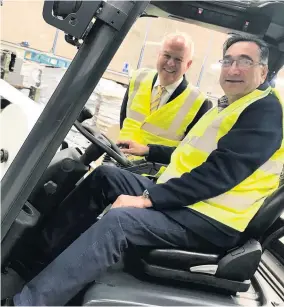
[160, 105]
[217, 180]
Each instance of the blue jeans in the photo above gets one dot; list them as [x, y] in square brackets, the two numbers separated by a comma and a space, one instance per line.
[103, 243]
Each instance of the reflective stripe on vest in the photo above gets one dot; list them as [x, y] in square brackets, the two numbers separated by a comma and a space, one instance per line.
[236, 207]
[133, 89]
[143, 122]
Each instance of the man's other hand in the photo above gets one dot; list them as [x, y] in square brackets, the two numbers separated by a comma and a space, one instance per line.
[131, 201]
[134, 148]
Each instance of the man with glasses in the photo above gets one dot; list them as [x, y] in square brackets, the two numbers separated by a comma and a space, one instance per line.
[241, 73]
[217, 179]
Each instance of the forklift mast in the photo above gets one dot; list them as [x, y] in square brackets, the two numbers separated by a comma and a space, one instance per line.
[97, 29]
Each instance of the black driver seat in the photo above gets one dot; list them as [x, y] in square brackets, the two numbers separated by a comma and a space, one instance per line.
[232, 271]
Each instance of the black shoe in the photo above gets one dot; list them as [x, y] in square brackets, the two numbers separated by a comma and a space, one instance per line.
[7, 302]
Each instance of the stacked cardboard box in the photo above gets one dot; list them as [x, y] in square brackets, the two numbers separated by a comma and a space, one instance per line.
[104, 103]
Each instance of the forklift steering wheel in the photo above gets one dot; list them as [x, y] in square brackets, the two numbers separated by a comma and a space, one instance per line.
[99, 139]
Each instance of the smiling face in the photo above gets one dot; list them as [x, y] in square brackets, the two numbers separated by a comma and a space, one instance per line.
[174, 60]
[240, 79]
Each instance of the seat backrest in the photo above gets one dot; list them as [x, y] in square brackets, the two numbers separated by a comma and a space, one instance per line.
[269, 212]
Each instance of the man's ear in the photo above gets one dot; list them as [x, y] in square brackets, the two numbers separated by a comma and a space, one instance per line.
[188, 64]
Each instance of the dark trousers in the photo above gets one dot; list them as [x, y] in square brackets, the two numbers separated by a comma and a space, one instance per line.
[103, 243]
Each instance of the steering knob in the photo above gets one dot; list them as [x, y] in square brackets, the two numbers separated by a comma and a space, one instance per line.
[85, 114]
[121, 146]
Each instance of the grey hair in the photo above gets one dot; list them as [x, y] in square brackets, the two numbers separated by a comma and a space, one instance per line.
[263, 47]
[185, 37]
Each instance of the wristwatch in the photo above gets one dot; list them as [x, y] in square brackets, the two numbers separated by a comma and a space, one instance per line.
[147, 155]
[146, 194]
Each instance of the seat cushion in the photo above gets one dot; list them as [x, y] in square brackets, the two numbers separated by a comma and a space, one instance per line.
[178, 259]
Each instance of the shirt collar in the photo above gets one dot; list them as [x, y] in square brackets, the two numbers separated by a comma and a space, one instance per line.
[223, 102]
[171, 87]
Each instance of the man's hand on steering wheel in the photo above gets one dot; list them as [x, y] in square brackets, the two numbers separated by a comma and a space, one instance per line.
[99, 139]
[133, 148]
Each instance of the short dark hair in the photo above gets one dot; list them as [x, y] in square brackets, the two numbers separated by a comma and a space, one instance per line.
[263, 47]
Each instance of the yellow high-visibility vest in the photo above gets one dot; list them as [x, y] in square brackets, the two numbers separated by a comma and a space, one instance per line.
[165, 126]
[236, 207]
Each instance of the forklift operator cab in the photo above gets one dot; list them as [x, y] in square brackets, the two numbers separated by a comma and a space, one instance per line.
[46, 182]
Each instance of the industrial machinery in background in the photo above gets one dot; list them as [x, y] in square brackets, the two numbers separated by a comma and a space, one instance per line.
[8, 61]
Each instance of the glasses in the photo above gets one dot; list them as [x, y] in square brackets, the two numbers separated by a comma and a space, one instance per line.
[242, 63]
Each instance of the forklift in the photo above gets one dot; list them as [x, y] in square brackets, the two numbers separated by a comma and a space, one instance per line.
[41, 182]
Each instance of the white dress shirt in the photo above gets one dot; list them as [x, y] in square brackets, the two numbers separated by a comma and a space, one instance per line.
[169, 89]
